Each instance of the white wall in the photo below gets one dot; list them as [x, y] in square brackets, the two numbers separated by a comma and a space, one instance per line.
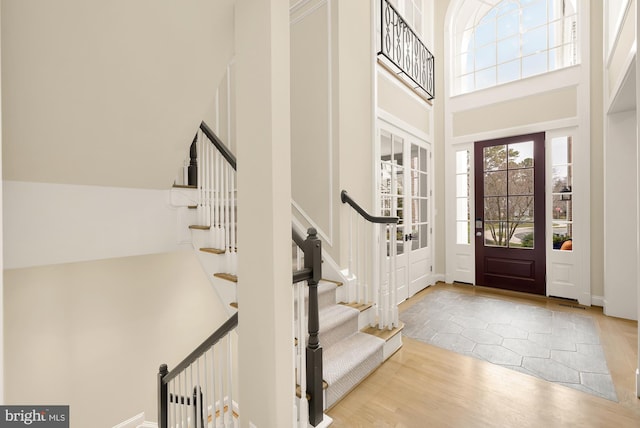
[93, 335]
[61, 223]
[620, 249]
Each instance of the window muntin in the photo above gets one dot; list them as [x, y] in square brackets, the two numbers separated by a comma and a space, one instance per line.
[512, 40]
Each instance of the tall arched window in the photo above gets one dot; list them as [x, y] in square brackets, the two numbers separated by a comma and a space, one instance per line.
[499, 41]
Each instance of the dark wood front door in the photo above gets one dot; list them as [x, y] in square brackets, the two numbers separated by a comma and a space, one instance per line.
[509, 213]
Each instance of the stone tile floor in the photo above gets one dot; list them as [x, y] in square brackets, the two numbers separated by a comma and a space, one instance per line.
[559, 347]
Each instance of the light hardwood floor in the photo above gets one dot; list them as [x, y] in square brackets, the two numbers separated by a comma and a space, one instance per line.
[425, 386]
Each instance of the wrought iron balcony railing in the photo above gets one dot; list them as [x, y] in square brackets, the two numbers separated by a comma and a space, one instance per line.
[404, 52]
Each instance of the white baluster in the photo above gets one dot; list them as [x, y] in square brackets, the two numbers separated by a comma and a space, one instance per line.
[205, 391]
[200, 177]
[230, 378]
[214, 403]
[349, 290]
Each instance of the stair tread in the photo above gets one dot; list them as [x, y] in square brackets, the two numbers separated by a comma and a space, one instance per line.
[226, 276]
[212, 250]
[335, 315]
[343, 356]
[184, 186]
[336, 283]
[383, 334]
[359, 306]
[199, 227]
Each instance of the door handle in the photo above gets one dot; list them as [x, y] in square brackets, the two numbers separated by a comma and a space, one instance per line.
[408, 237]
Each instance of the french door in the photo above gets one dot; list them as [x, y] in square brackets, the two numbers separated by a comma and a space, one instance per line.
[405, 192]
[510, 214]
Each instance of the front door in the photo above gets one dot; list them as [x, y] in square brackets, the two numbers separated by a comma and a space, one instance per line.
[405, 192]
[509, 213]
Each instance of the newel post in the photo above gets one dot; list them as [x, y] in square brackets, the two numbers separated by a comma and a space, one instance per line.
[193, 163]
[313, 259]
[163, 398]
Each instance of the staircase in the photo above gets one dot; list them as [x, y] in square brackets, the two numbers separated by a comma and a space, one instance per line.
[351, 347]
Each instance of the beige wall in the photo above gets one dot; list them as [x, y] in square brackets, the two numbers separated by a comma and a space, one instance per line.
[331, 96]
[398, 102]
[355, 107]
[108, 93]
[538, 108]
[312, 139]
[92, 335]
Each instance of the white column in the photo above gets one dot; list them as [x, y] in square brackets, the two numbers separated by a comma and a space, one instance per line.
[638, 201]
[1, 261]
[265, 298]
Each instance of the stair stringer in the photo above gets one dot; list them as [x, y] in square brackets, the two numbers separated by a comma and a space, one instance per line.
[184, 199]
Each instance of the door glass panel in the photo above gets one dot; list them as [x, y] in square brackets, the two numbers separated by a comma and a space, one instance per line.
[562, 208]
[495, 233]
[521, 235]
[422, 240]
[419, 197]
[562, 191]
[520, 209]
[521, 181]
[463, 225]
[508, 195]
[495, 209]
[495, 158]
[424, 211]
[495, 183]
[521, 155]
[392, 181]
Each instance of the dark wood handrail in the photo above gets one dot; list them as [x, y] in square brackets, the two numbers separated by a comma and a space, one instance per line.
[217, 142]
[297, 237]
[221, 332]
[346, 199]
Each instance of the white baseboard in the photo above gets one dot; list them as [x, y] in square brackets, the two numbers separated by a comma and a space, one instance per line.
[638, 383]
[438, 277]
[326, 421]
[136, 422]
[597, 301]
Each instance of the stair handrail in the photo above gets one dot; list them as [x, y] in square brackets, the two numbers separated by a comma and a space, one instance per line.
[346, 199]
[217, 142]
[165, 376]
[372, 274]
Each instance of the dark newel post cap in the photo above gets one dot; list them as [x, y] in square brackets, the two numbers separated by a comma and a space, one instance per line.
[312, 232]
[164, 369]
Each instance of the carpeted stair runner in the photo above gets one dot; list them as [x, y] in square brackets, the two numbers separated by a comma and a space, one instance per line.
[348, 355]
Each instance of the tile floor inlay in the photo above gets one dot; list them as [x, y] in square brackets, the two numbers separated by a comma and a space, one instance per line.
[560, 347]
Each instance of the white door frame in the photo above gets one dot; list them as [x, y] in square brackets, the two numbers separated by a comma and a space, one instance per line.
[410, 136]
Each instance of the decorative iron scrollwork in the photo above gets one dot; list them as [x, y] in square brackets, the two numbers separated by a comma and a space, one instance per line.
[403, 49]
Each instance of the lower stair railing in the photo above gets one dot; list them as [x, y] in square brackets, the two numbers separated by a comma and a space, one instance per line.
[372, 262]
[308, 349]
[216, 184]
[198, 392]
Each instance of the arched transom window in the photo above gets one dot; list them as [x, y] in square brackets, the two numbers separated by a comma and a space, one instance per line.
[499, 41]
